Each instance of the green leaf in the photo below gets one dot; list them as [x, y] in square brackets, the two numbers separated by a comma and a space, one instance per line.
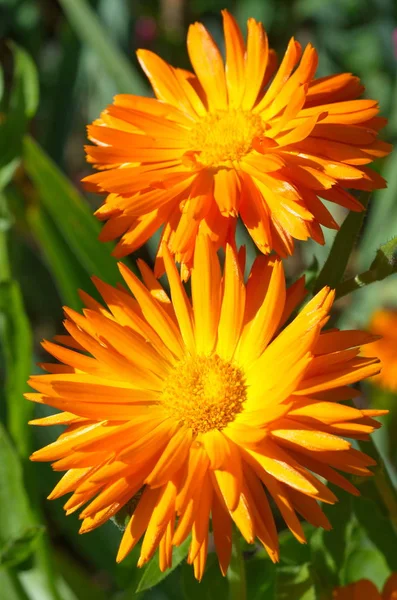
[68, 273]
[291, 551]
[377, 527]
[10, 586]
[380, 225]
[323, 571]
[151, 574]
[36, 586]
[16, 342]
[87, 26]
[213, 586]
[385, 261]
[26, 78]
[334, 268]
[63, 93]
[78, 579]
[380, 487]
[295, 583]
[365, 562]
[336, 541]
[329, 548]
[70, 213]
[18, 531]
[19, 548]
[6, 218]
[261, 577]
[382, 218]
[23, 103]
[236, 571]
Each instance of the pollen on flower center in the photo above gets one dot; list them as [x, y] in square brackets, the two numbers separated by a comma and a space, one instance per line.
[225, 136]
[204, 392]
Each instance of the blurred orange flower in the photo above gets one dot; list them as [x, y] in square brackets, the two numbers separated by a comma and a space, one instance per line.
[366, 590]
[234, 138]
[384, 323]
[195, 408]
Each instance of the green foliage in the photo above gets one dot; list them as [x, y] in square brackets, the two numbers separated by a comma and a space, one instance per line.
[18, 530]
[70, 213]
[295, 583]
[338, 258]
[151, 575]
[212, 587]
[236, 572]
[364, 561]
[88, 27]
[84, 52]
[377, 528]
[11, 586]
[16, 342]
[22, 104]
[329, 548]
[383, 265]
[260, 577]
[68, 272]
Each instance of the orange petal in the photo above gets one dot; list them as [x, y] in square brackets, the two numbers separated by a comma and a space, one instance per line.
[232, 309]
[206, 279]
[234, 68]
[208, 64]
[256, 58]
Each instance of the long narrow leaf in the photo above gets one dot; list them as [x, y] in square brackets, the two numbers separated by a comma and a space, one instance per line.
[88, 27]
[70, 213]
[16, 342]
[382, 220]
[23, 103]
[68, 273]
[18, 530]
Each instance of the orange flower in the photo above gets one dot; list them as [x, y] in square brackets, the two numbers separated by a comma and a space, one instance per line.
[198, 408]
[366, 590]
[384, 324]
[239, 138]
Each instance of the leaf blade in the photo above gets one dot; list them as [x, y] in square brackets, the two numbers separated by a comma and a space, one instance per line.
[88, 27]
[70, 213]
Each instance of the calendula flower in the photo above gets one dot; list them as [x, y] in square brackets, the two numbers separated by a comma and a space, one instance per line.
[204, 408]
[235, 138]
[366, 590]
[384, 324]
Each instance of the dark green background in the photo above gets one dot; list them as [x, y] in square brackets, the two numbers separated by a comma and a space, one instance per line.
[84, 54]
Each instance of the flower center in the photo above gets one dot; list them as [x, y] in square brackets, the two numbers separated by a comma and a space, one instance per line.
[204, 392]
[225, 136]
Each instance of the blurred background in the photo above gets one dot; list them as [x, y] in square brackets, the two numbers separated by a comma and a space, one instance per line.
[62, 63]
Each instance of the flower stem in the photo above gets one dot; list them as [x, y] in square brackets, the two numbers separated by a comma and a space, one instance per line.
[236, 571]
[384, 264]
[335, 265]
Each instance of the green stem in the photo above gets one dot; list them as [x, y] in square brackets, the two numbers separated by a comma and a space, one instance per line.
[382, 481]
[336, 263]
[384, 264]
[355, 283]
[236, 571]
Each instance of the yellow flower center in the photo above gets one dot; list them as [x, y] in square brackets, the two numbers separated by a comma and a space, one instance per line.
[225, 136]
[204, 392]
